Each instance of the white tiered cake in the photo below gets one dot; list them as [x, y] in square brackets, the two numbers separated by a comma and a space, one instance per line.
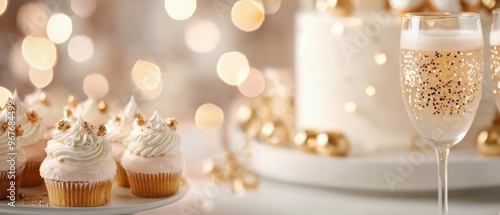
[347, 79]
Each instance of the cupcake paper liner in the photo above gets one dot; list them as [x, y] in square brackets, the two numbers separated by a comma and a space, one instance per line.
[78, 193]
[154, 185]
[31, 174]
[5, 182]
[121, 178]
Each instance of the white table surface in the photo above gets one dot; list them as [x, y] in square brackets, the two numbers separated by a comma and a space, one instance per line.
[273, 197]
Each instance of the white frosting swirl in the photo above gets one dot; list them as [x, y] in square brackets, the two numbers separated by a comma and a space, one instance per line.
[89, 110]
[47, 111]
[79, 145]
[153, 139]
[33, 130]
[120, 127]
[5, 148]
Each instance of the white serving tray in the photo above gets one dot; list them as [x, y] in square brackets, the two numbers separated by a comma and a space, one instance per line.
[122, 202]
[405, 170]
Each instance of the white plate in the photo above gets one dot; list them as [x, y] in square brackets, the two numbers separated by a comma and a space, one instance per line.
[122, 202]
[408, 171]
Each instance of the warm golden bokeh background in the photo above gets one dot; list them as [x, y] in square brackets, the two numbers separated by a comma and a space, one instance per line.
[173, 55]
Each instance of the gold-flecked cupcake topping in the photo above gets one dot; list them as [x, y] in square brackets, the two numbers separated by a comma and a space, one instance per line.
[62, 125]
[172, 123]
[72, 101]
[101, 130]
[139, 119]
[33, 116]
[19, 131]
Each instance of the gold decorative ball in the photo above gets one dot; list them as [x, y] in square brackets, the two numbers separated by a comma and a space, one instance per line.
[488, 141]
[275, 133]
[332, 144]
[306, 140]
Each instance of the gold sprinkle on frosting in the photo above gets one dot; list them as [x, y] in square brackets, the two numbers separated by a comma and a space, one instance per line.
[101, 130]
[139, 119]
[172, 123]
[5, 125]
[62, 125]
[33, 116]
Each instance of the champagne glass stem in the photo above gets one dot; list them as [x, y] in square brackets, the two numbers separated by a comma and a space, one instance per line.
[442, 153]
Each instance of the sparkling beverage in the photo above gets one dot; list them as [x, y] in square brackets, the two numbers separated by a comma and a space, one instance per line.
[442, 82]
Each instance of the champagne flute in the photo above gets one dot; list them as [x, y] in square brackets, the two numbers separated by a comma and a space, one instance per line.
[441, 79]
[495, 55]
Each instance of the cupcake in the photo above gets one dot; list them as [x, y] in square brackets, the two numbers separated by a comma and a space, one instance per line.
[78, 170]
[33, 142]
[6, 177]
[39, 102]
[153, 160]
[95, 113]
[119, 127]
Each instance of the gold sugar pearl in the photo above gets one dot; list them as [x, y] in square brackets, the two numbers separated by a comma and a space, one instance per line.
[172, 123]
[43, 99]
[33, 202]
[62, 125]
[26, 199]
[45, 194]
[48, 204]
[19, 131]
[72, 101]
[139, 119]
[5, 125]
[22, 196]
[24, 203]
[101, 130]
[33, 116]
[103, 107]
[39, 198]
[41, 202]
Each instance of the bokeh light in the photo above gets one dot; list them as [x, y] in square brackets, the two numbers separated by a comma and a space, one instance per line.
[205, 43]
[3, 6]
[40, 53]
[272, 6]
[83, 8]
[209, 117]
[247, 15]
[233, 67]
[5, 94]
[59, 28]
[80, 48]
[40, 78]
[32, 18]
[380, 58]
[180, 9]
[95, 85]
[147, 77]
[370, 90]
[253, 85]
[350, 107]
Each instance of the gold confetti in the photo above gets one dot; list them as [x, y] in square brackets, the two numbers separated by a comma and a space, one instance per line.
[19, 131]
[139, 119]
